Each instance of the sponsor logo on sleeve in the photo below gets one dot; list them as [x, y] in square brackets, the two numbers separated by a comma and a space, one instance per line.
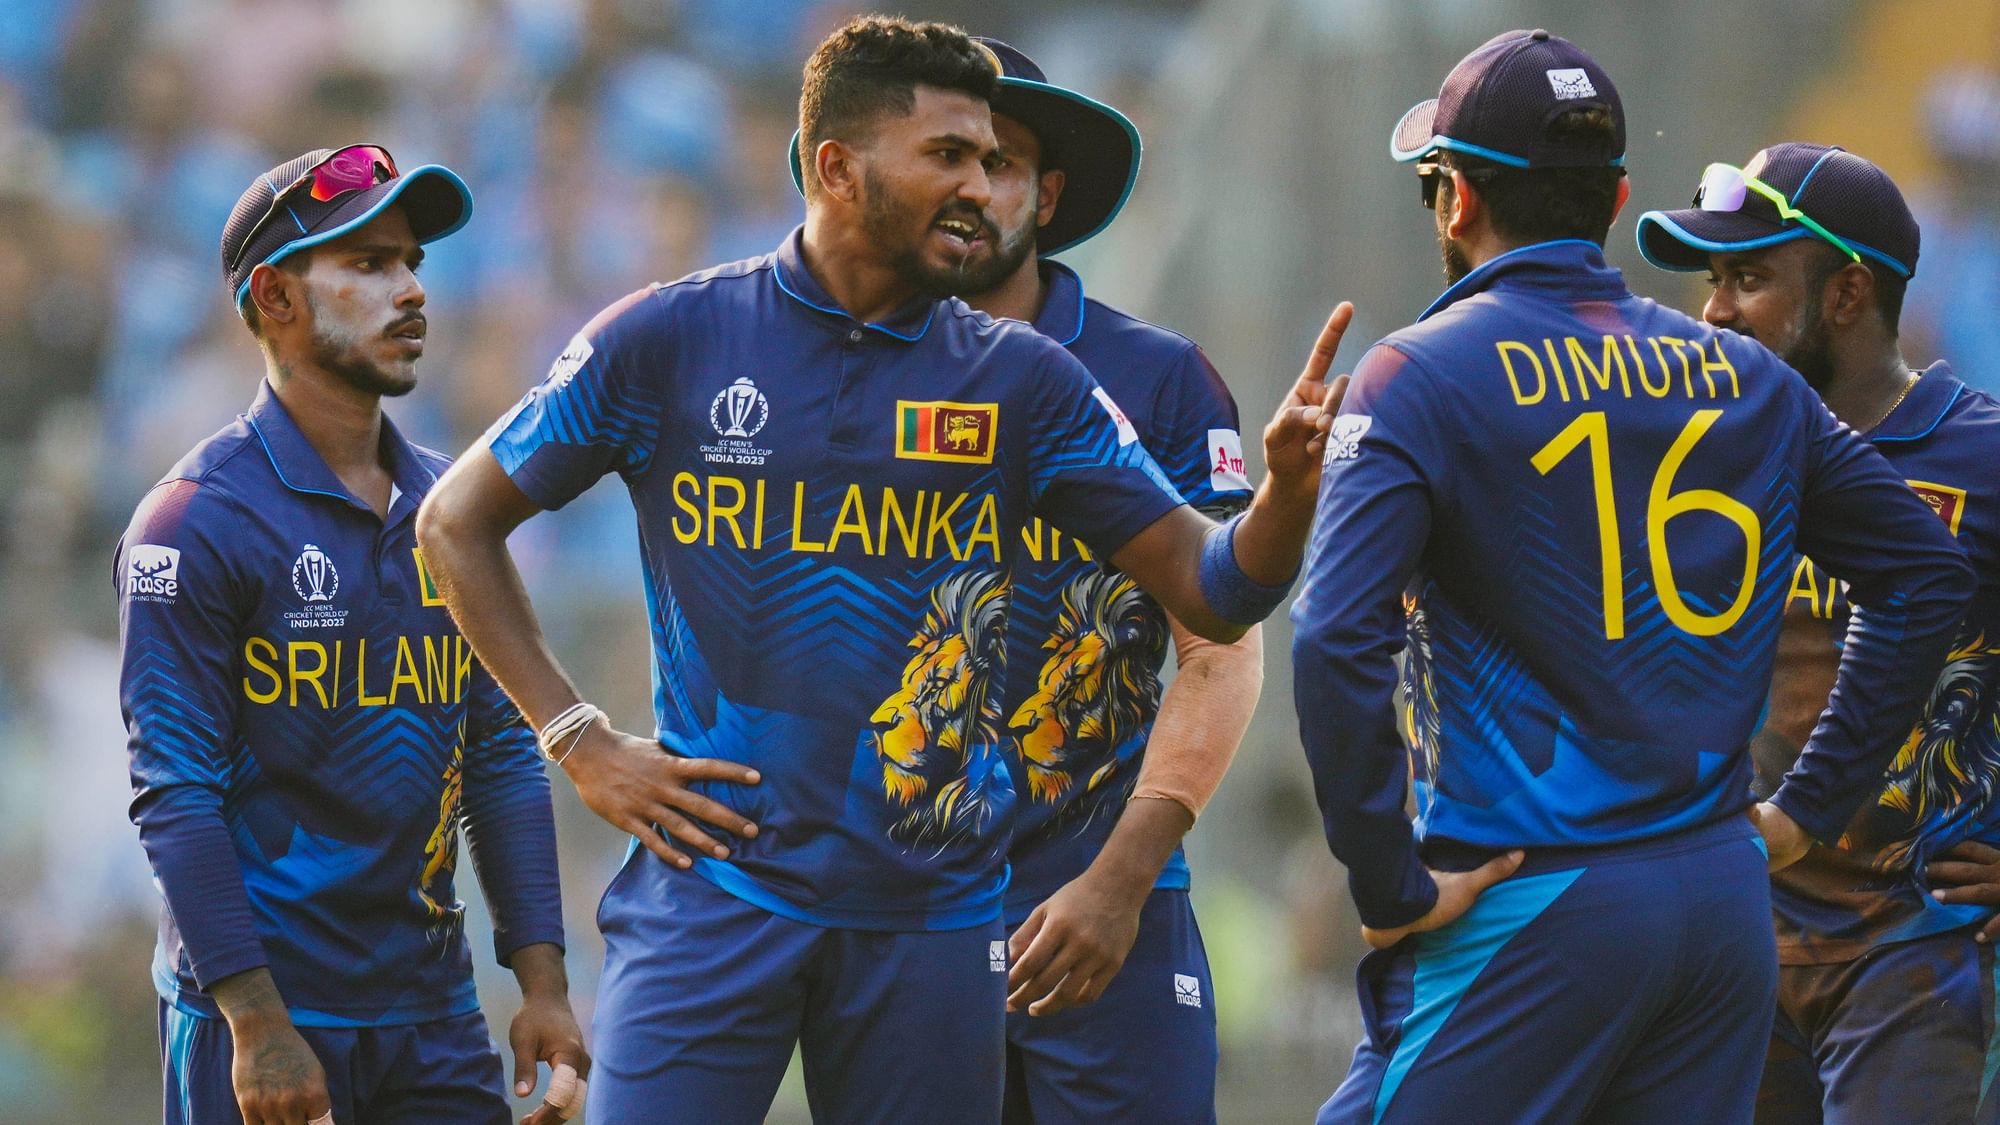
[947, 431]
[1344, 443]
[152, 573]
[1946, 501]
[569, 362]
[1126, 433]
[996, 956]
[1225, 462]
[1187, 990]
[1571, 82]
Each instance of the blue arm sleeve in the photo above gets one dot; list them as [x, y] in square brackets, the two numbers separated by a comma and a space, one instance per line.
[509, 824]
[1088, 474]
[1909, 583]
[179, 623]
[1374, 518]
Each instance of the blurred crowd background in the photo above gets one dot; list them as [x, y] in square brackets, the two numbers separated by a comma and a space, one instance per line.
[613, 142]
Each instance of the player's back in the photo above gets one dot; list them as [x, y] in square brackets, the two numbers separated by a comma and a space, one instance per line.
[1615, 493]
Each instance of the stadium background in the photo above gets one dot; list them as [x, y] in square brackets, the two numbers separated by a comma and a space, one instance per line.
[611, 142]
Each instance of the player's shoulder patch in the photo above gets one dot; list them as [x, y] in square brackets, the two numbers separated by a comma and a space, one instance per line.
[1344, 442]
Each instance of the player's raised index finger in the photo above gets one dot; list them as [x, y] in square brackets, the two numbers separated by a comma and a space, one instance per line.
[1328, 343]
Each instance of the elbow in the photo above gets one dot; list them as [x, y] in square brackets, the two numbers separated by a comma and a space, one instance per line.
[433, 524]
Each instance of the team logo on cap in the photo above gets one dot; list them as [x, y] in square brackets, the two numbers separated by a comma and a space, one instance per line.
[1946, 501]
[1571, 82]
[947, 431]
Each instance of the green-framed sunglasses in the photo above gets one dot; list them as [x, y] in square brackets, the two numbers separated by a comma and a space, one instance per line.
[1725, 187]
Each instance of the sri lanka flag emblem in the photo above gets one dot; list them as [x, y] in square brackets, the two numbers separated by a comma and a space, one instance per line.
[947, 431]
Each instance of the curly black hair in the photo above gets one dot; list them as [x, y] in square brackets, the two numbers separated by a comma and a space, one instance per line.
[872, 65]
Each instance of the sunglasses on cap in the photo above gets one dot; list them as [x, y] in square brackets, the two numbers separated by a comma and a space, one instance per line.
[351, 169]
[1431, 173]
[1725, 188]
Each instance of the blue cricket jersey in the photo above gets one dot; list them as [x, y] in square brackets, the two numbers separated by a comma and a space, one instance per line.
[1868, 889]
[1581, 510]
[1085, 644]
[308, 730]
[830, 516]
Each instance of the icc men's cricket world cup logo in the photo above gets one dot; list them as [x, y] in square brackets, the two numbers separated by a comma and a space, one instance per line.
[314, 577]
[740, 410]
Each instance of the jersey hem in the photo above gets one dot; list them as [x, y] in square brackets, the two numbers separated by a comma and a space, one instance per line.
[729, 879]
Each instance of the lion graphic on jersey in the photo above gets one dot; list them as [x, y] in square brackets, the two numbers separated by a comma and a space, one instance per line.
[441, 850]
[1095, 689]
[944, 712]
[1943, 779]
[1421, 722]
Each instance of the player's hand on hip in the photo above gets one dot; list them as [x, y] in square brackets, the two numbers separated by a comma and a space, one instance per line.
[1457, 891]
[1074, 943]
[277, 1078]
[1295, 441]
[634, 784]
[1785, 843]
[1968, 872]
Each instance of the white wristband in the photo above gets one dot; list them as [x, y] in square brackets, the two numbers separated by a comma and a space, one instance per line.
[566, 729]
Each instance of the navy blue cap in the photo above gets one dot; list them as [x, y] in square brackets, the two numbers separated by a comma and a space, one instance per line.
[1499, 101]
[1842, 192]
[433, 196]
[1096, 146]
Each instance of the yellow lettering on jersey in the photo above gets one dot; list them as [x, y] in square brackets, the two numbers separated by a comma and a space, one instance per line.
[985, 527]
[437, 666]
[463, 677]
[799, 540]
[406, 672]
[250, 648]
[685, 504]
[906, 529]
[1600, 372]
[361, 680]
[941, 521]
[1721, 363]
[1506, 349]
[1556, 367]
[295, 673]
[1666, 380]
[726, 511]
[852, 520]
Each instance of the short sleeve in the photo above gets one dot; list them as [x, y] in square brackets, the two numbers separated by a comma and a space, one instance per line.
[1088, 473]
[598, 410]
[1196, 436]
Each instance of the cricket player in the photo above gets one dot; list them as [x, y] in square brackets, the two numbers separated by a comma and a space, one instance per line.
[1110, 772]
[308, 728]
[1885, 998]
[1579, 511]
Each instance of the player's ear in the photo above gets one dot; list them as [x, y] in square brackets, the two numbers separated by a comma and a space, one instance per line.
[839, 170]
[1052, 189]
[1466, 206]
[1624, 193]
[1850, 294]
[276, 294]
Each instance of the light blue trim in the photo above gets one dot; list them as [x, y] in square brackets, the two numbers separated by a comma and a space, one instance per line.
[1790, 232]
[1992, 1045]
[181, 1027]
[1792, 201]
[1926, 431]
[1450, 959]
[296, 221]
[402, 185]
[1440, 141]
[1477, 277]
[778, 275]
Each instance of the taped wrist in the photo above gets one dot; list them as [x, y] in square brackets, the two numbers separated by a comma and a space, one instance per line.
[1231, 594]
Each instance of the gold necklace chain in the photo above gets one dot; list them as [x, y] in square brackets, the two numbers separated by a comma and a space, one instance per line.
[1908, 385]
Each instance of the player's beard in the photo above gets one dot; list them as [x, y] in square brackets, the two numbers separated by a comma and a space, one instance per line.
[339, 349]
[984, 272]
[1456, 265]
[1811, 352]
[888, 222]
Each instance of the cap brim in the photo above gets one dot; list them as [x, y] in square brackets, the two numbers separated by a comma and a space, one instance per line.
[1415, 134]
[1682, 240]
[435, 199]
[1097, 147]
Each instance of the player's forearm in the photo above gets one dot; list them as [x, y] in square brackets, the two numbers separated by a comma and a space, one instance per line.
[482, 587]
[1203, 716]
[510, 831]
[539, 970]
[1138, 848]
[249, 1000]
[1271, 537]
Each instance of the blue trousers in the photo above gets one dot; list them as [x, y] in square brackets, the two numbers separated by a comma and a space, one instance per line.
[441, 1072]
[1619, 984]
[704, 996]
[1903, 1033]
[1144, 1051]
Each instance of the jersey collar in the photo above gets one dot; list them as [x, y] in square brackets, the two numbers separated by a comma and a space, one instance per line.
[1923, 408]
[907, 324]
[300, 467]
[1566, 269]
[1061, 318]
